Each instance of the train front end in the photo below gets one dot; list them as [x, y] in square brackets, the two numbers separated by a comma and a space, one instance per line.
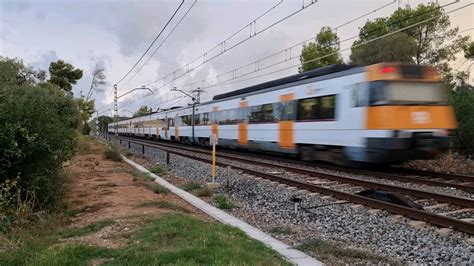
[407, 114]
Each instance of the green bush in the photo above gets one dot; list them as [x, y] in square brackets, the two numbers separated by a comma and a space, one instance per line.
[223, 202]
[191, 186]
[37, 133]
[462, 100]
[159, 189]
[157, 170]
[112, 153]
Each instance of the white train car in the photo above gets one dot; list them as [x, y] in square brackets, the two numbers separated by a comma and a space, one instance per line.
[384, 113]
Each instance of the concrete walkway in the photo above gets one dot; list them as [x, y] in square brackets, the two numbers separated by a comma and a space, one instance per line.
[292, 255]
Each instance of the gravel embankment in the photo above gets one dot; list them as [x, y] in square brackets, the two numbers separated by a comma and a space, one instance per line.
[268, 205]
[453, 163]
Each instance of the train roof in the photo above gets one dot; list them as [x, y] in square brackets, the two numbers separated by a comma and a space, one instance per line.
[302, 76]
[293, 78]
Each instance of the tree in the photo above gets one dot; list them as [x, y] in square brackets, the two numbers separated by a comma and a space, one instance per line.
[86, 109]
[436, 43]
[469, 50]
[13, 71]
[64, 75]
[37, 133]
[104, 123]
[325, 47]
[398, 47]
[98, 80]
[143, 110]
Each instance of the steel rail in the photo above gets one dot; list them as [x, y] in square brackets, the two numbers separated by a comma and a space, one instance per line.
[469, 187]
[464, 202]
[458, 177]
[394, 176]
[431, 218]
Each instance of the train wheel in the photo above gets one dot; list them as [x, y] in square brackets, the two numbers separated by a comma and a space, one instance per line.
[306, 153]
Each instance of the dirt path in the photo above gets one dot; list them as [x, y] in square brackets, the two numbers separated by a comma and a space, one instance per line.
[105, 190]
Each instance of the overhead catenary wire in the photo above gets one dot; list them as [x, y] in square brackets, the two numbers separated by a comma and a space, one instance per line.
[283, 61]
[205, 54]
[151, 44]
[289, 49]
[164, 40]
[356, 45]
[354, 37]
[226, 82]
[259, 68]
[223, 46]
[300, 44]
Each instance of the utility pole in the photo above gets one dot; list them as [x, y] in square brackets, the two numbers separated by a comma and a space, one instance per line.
[115, 108]
[198, 92]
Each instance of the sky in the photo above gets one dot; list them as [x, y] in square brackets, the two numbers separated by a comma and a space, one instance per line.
[114, 35]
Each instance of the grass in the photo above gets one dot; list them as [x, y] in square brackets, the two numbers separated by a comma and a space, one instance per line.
[162, 204]
[204, 192]
[140, 176]
[112, 153]
[159, 189]
[157, 170]
[88, 229]
[191, 186]
[330, 252]
[170, 239]
[84, 144]
[223, 202]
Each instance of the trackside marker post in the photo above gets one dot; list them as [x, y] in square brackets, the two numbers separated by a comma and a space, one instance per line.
[213, 142]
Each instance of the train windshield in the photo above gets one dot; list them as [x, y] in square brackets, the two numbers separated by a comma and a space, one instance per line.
[399, 92]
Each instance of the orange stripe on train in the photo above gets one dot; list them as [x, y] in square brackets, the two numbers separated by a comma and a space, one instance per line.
[410, 117]
[286, 128]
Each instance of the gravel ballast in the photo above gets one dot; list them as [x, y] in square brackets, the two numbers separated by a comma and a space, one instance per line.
[267, 205]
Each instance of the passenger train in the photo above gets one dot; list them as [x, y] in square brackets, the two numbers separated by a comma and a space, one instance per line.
[378, 114]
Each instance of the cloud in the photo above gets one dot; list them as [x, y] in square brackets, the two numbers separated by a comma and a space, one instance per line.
[43, 60]
[16, 6]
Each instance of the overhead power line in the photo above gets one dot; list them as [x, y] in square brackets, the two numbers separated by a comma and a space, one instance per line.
[151, 44]
[287, 51]
[356, 45]
[223, 46]
[363, 43]
[279, 52]
[164, 40]
[258, 63]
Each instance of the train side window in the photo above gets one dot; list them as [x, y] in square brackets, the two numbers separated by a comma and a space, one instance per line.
[232, 116]
[213, 117]
[307, 108]
[360, 95]
[197, 119]
[244, 115]
[205, 118]
[256, 114]
[267, 110]
[222, 117]
[327, 107]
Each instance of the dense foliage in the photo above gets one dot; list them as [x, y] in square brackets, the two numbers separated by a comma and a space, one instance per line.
[64, 75]
[322, 52]
[432, 41]
[37, 133]
[143, 110]
[462, 99]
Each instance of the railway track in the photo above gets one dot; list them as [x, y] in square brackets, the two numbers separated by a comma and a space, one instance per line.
[333, 185]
